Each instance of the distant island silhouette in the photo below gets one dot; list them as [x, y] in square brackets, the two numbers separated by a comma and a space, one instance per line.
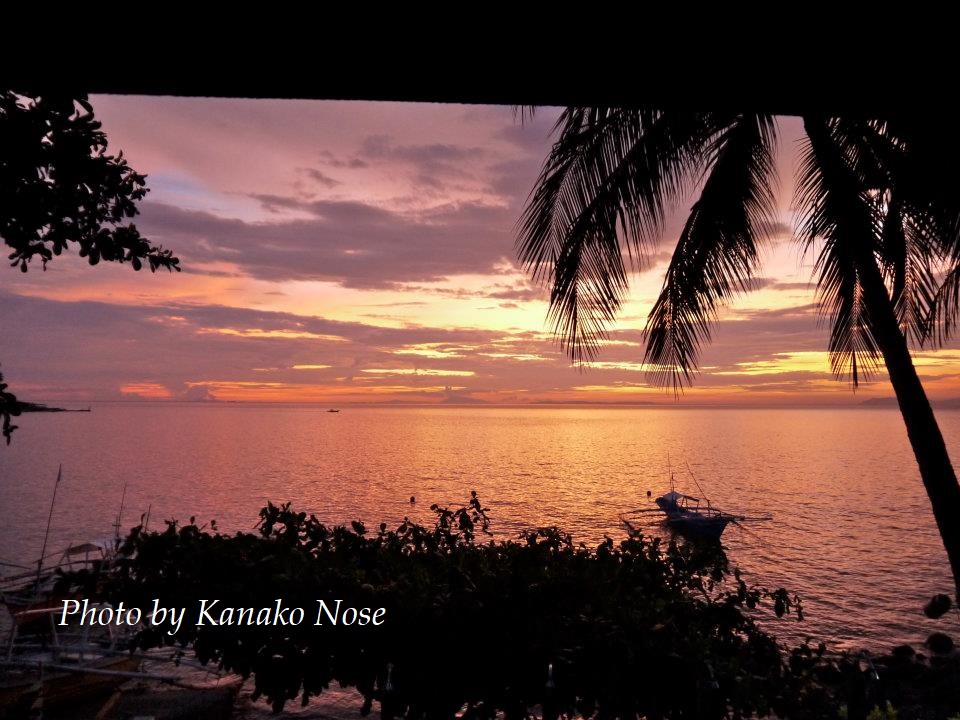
[891, 402]
[40, 407]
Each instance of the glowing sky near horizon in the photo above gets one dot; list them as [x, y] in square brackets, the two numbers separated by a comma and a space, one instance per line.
[364, 252]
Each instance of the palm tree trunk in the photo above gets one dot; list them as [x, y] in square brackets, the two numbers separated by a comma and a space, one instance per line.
[936, 470]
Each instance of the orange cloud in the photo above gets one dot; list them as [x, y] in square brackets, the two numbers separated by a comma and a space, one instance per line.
[147, 391]
[261, 333]
[418, 371]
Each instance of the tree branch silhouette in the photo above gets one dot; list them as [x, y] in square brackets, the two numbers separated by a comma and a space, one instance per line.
[61, 189]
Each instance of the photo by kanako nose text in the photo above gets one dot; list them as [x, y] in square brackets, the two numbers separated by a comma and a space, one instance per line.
[212, 613]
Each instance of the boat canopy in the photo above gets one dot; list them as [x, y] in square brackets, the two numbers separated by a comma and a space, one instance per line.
[83, 549]
[674, 496]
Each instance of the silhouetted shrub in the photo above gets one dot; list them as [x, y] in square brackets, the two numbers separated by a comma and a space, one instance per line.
[639, 627]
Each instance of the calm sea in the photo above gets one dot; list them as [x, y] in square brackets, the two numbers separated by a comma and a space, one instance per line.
[852, 533]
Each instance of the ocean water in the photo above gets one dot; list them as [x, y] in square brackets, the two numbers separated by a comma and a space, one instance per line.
[852, 532]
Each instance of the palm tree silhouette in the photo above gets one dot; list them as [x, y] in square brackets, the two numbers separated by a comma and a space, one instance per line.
[877, 201]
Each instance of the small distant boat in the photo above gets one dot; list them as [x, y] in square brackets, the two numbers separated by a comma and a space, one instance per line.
[332, 410]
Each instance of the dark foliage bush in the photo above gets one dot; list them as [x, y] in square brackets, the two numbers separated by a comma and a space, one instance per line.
[639, 627]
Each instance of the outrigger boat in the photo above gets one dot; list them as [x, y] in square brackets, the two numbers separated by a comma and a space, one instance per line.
[49, 666]
[692, 516]
[35, 587]
[685, 515]
[53, 666]
[64, 669]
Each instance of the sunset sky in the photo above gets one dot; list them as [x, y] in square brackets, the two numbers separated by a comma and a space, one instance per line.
[347, 252]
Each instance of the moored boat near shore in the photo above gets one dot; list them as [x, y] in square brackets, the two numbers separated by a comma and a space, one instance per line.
[685, 515]
[690, 515]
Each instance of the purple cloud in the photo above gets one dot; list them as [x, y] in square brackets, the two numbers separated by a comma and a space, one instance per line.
[356, 244]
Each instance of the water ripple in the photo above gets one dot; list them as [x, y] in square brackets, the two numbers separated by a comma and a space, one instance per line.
[853, 533]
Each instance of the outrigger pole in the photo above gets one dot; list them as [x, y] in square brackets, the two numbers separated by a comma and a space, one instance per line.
[46, 534]
[116, 524]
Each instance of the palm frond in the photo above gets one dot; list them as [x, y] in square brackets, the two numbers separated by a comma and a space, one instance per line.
[908, 252]
[916, 220]
[716, 253]
[929, 181]
[927, 177]
[940, 321]
[602, 194]
[943, 315]
[837, 210]
[524, 113]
